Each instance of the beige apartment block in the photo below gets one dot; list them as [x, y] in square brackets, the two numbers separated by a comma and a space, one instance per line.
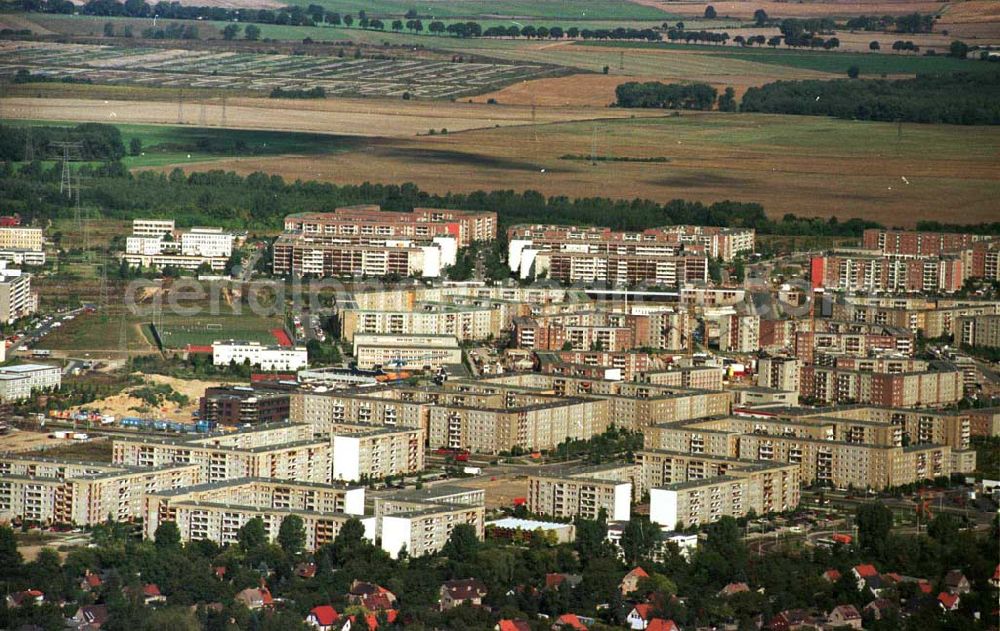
[280, 451]
[568, 492]
[21, 238]
[420, 521]
[73, 492]
[217, 510]
[373, 452]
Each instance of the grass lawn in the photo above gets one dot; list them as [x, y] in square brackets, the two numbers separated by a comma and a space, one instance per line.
[822, 61]
[178, 331]
[440, 9]
[181, 144]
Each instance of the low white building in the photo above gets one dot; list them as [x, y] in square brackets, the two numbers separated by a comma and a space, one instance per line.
[277, 358]
[208, 242]
[152, 227]
[28, 258]
[19, 382]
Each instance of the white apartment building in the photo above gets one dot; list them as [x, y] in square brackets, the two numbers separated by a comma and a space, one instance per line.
[208, 242]
[277, 358]
[19, 382]
[420, 521]
[16, 298]
[372, 452]
[155, 228]
[21, 238]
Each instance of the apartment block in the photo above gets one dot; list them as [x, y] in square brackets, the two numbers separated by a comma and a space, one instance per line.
[599, 329]
[466, 226]
[242, 405]
[981, 331]
[373, 452]
[778, 372]
[917, 244]
[16, 298]
[216, 511]
[21, 381]
[739, 333]
[628, 364]
[689, 490]
[688, 377]
[856, 344]
[207, 242]
[21, 238]
[827, 384]
[464, 322]
[420, 521]
[984, 421]
[268, 358]
[152, 228]
[841, 446]
[863, 272]
[373, 350]
[51, 490]
[568, 492]
[282, 451]
[579, 267]
[934, 318]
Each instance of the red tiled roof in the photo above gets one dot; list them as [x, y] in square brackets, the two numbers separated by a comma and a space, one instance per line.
[948, 600]
[925, 586]
[866, 570]
[570, 620]
[644, 610]
[376, 602]
[325, 615]
[151, 589]
[93, 580]
[659, 624]
[996, 573]
[265, 596]
[513, 625]
[641, 573]
[832, 575]
[464, 589]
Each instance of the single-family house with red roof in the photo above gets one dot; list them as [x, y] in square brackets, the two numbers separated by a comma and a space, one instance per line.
[322, 617]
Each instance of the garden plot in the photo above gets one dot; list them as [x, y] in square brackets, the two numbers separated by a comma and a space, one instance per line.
[263, 72]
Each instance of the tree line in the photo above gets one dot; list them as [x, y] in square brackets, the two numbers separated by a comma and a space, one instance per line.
[97, 142]
[675, 96]
[261, 201]
[314, 15]
[910, 23]
[960, 99]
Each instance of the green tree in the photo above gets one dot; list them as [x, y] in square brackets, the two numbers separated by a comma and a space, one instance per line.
[292, 535]
[760, 17]
[135, 146]
[710, 13]
[874, 45]
[253, 534]
[251, 32]
[853, 72]
[874, 523]
[167, 535]
[727, 101]
[348, 541]
[943, 528]
[640, 539]
[109, 29]
[463, 544]
[10, 558]
[958, 49]
[230, 32]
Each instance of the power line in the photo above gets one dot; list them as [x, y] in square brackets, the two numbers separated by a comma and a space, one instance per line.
[70, 153]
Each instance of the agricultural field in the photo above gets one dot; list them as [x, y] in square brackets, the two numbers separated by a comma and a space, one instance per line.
[809, 166]
[250, 71]
[472, 9]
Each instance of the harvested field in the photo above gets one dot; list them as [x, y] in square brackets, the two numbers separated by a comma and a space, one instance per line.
[419, 78]
[358, 117]
[809, 166]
